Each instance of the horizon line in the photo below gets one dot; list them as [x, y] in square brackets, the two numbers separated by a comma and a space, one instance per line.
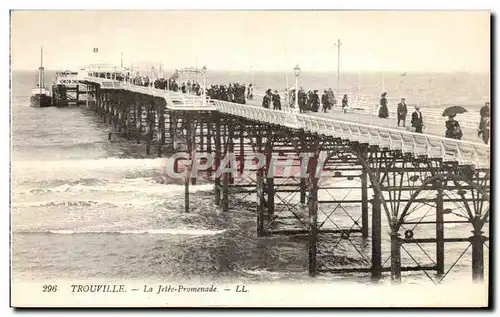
[291, 71]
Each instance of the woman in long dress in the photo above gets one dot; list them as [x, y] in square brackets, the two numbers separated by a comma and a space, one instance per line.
[345, 103]
[383, 111]
[453, 130]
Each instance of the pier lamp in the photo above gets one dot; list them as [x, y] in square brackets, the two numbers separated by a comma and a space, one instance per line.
[204, 69]
[296, 71]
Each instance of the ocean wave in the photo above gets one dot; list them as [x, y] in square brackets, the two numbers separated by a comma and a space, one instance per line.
[87, 203]
[124, 187]
[90, 164]
[187, 232]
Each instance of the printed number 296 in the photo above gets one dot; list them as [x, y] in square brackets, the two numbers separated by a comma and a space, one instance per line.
[49, 288]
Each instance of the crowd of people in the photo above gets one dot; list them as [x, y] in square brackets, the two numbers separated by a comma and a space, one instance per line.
[234, 92]
[310, 100]
[307, 101]
[187, 87]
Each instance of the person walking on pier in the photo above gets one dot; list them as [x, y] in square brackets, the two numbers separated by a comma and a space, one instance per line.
[325, 101]
[484, 123]
[383, 111]
[302, 100]
[276, 100]
[417, 121]
[402, 111]
[309, 100]
[291, 98]
[250, 92]
[230, 93]
[331, 99]
[315, 101]
[266, 101]
[345, 103]
[453, 130]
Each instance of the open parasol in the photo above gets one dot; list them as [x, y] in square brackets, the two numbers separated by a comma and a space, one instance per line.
[453, 110]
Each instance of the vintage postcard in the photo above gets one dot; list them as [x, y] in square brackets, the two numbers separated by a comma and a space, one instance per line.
[250, 158]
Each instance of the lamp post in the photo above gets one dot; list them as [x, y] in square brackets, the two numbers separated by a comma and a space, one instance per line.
[296, 71]
[204, 69]
[338, 44]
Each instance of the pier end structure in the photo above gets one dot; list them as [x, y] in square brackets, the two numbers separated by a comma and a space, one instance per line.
[403, 182]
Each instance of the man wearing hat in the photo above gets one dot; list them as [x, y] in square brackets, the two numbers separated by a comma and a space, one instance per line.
[276, 101]
[325, 101]
[315, 101]
[266, 101]
[417, 120]
[402, 111]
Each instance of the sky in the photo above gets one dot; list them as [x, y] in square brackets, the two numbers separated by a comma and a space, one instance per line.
[413, 41]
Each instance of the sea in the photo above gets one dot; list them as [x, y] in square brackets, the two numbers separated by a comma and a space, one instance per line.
[84, 207]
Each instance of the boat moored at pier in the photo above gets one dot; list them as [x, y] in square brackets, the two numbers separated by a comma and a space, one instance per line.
[40, 96]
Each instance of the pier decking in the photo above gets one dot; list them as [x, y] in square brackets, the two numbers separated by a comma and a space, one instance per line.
[414, 180]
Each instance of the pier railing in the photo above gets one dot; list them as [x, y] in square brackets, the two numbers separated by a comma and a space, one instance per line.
[359, 103]
[462, 152]
[175, 100]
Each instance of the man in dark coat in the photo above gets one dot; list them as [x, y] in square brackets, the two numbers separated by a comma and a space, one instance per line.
[402, 111]
[325, 101]
[484, 123]
[276, 101]
[331, 98]
[266, 101]
[302, 100]
[417, 121]
[315, 101]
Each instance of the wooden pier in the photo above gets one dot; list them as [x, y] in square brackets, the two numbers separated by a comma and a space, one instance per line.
[401, 181]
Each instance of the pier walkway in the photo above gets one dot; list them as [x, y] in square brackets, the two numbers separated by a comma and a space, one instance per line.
[375, 178]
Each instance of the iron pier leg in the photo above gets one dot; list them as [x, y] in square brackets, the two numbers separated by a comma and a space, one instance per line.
[364, 204]
[303, 188]
[477, 241]
[303, 180]
[242, 149]
[218, 155]
[173, 122]
[149, 129]
[230, 140]
[269, 180]
[260, 188]
[202, 136]
[225, 192]
[227, 177]
[128, 110]
[77, 95]
[161, 127]
[111, 107]
[209, 145]
[105, 106]
[189, 140]
[313, 225]
[376, 239]
[439, 231]
[191, 135]
[395, 258]
[138, 122]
